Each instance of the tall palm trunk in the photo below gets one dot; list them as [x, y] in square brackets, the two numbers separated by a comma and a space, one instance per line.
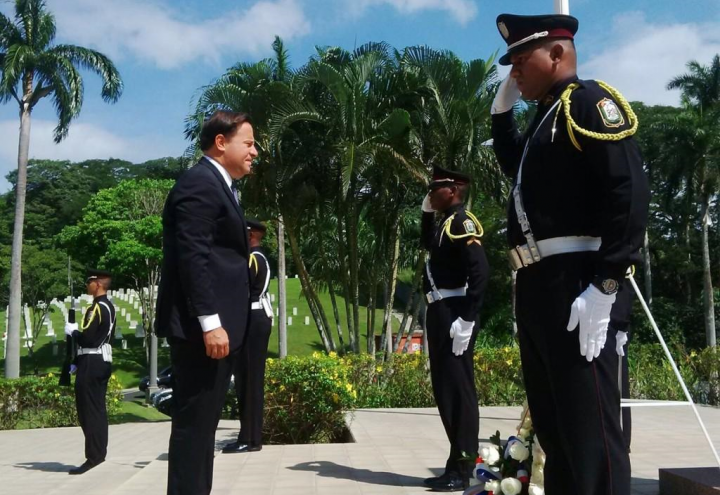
[391, 285]
[316, 308]
[12, 360]
[353, 246]
[707, 276]
[282, 291]
[336, 314]
[344, 280]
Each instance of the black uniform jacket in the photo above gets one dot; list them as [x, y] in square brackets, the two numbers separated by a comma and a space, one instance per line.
[601, 191]
[96, 324]
[205, 258]
[459, 262]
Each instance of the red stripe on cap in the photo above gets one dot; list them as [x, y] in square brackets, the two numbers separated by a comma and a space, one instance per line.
[560, 33]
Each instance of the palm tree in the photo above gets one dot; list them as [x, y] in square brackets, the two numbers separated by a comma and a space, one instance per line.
[32, 69]
[695, 146]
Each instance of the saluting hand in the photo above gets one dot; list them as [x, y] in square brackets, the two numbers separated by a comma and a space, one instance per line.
[217, 344]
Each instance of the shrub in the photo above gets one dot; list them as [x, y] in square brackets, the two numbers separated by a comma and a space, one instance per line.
[39, 402]
[305, 399]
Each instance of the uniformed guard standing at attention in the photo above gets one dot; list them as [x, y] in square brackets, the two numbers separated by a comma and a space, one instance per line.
[456, 276]
[576, 220]
[92, 365]
[250, 370]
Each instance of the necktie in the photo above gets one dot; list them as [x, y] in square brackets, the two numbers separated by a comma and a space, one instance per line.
[234, 191]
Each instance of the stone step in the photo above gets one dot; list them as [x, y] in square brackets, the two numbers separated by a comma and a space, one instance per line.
[690, 481]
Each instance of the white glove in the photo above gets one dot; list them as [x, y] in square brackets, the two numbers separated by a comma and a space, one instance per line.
[426, 208]
[73, 369]
[620, 342]
[506, 96]
[591, 310]
[460, 332]
[70, 328]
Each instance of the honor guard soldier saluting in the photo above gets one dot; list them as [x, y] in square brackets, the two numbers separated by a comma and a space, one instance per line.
[250, 368]
[92, 365]
[576, 220]
[456, 275]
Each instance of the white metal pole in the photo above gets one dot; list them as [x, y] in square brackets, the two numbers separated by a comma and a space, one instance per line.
[562, 7]
[674, 367]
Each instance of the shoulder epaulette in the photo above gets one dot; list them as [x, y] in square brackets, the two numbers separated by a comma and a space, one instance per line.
[472, 228]
[608, 110]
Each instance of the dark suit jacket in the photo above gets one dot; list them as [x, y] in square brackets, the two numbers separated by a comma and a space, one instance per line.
[205, 258]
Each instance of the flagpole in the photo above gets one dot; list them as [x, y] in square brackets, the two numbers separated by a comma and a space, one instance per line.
[562, 7]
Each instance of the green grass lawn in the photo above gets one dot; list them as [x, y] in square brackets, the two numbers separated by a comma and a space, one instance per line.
[137, 411]
[129, 364]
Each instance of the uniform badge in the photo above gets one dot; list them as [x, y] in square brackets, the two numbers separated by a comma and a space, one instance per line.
[610, 113]
[503, 30]
[469, 226]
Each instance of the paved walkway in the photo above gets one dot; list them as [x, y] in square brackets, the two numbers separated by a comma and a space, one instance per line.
[394, 450]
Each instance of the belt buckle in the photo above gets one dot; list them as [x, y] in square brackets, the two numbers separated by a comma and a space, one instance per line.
[433, 296]
[515, 258]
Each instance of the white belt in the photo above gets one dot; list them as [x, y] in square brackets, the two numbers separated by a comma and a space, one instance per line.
[439, 294]
[256, 305]
[88, 350]
[522, 256]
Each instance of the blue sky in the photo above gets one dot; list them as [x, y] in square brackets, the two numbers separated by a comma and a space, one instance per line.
[166, 50]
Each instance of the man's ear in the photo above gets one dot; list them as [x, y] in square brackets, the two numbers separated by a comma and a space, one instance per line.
[220, 142]
[556, 52]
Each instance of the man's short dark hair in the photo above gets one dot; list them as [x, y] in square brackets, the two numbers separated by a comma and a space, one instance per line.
[222, 122]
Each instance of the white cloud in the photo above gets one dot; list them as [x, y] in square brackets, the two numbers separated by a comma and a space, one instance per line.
[642, 57]
[462, 11]
[155, 31]
[85, 142]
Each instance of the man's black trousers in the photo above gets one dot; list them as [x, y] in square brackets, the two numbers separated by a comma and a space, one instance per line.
[574, 405]
[453, 381]
[199, 388]
[250, 378]
[91, 383]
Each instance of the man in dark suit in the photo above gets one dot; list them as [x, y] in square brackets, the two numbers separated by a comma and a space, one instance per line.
[204, 299]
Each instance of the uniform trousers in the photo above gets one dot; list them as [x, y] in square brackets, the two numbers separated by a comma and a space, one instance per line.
[199, 388]
[91, 383]
[250, 378]
[574, 405]
[453, 381]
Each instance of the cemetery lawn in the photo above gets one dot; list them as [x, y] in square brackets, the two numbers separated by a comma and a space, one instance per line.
[129, 365]
[136, 411]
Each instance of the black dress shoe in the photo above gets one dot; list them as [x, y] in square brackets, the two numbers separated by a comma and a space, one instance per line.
[237, 448]
[85, 467]
[448, 482]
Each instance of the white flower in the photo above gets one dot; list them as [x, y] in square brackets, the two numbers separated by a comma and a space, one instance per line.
[523, 433]
[493, 486]
[511, 486]
[536, 490]
[519, 452]
[537, 449]
[490, 455]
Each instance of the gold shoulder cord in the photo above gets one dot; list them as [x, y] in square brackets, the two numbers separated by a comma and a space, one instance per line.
[602, 136]
[95, 311]
[452, 237]
[253, 261]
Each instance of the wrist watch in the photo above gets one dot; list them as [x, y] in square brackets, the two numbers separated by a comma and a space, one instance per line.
[607, 286]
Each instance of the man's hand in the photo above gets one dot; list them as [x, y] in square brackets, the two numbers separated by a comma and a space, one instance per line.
[73, 369]
[461, 332]
[591, 310]
[426, 207]
[506, 97]
[217, 344]
[70, 328]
